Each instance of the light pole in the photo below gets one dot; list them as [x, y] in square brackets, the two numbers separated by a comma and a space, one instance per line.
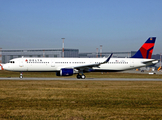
[100, 51]
[96, 52]
[62, 47]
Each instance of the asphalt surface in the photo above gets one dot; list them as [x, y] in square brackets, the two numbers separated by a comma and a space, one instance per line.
[105, 79]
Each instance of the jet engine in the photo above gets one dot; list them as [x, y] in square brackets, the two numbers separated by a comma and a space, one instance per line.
[65, 72]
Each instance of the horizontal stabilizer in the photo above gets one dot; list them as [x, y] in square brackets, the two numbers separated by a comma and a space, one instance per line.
[151, 62]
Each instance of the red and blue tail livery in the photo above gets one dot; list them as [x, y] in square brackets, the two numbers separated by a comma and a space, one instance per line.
[146, 50]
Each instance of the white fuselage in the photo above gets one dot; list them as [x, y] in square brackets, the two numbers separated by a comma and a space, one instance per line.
[56, 64]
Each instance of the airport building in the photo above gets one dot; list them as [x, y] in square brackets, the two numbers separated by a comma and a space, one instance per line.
[106, 54]
[8, 54]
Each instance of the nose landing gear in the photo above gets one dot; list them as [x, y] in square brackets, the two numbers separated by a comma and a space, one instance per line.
[21, 75]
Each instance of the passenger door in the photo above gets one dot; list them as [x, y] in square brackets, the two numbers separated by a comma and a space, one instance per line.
[21, 62]
[131, 63]
[52, 63]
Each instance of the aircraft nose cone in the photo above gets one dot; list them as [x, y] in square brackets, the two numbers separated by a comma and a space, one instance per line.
[4, 67]
[1, 67]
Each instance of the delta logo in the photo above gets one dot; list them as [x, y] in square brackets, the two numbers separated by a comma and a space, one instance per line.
[33, 60]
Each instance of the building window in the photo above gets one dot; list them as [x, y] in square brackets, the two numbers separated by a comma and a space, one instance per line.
[55, 55]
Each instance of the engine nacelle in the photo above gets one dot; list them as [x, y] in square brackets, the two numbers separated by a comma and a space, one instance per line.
[65, 72]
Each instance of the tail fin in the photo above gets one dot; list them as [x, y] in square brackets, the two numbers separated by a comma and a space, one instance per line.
[146, 50]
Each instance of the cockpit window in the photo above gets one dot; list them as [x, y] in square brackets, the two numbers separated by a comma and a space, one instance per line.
[12, 61]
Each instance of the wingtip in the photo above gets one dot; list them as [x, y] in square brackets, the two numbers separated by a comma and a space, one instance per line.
[108, 58]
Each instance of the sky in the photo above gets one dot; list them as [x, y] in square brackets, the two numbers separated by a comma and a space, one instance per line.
[117, 25]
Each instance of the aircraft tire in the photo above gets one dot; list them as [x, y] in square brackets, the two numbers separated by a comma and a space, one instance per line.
[83, 76]
[21, 76]
[78, 76]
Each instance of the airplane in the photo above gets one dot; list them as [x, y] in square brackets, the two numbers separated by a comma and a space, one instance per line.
[79, 66]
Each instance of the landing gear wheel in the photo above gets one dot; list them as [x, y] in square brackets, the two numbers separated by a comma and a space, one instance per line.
[83, 76]
[78, 76]
[21, 75]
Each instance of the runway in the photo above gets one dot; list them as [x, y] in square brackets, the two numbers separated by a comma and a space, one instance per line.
[99, 79]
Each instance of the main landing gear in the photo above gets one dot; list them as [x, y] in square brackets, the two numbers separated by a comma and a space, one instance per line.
[81, 76]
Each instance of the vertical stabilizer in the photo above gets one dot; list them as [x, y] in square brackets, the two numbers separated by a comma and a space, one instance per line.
[146, 50]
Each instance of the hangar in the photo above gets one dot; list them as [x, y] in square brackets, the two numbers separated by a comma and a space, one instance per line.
[8, 54]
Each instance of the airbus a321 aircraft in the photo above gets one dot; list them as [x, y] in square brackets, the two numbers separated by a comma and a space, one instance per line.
[70, 66]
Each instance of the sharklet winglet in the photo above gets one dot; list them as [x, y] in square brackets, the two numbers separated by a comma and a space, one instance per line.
[107, 60]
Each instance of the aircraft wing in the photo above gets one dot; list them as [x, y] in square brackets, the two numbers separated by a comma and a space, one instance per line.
[86, 66]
